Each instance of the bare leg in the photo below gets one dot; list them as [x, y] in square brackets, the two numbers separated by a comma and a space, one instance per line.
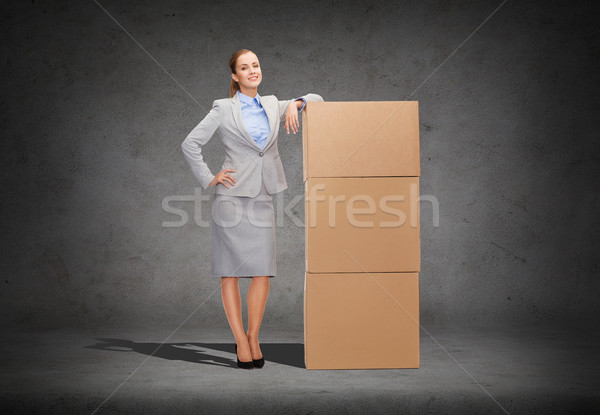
[232, 302]
[257, 299]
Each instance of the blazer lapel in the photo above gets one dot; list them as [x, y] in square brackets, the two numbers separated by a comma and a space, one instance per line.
[270, 110]
[237, 116]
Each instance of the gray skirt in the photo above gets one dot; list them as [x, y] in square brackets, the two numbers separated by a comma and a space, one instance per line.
[243, 235]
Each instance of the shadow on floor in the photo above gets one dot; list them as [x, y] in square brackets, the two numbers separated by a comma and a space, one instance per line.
[290, 354]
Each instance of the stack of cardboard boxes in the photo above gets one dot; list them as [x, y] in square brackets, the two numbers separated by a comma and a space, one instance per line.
[361, 288]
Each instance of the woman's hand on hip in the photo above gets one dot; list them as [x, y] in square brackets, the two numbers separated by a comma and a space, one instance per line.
[291, 117]
[223, 177]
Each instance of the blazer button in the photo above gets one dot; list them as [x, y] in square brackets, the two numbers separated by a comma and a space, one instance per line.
[260, 154]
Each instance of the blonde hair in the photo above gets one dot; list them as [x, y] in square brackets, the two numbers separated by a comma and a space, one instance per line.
[234, 86]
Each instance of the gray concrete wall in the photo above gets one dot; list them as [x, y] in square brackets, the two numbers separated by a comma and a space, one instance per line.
[93, 115]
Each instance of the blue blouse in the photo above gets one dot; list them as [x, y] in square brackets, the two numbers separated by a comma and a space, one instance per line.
[255, 118]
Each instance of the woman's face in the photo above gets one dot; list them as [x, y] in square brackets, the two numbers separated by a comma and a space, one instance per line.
[248, 73]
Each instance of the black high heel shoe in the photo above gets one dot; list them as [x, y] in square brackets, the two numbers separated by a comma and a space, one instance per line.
[259, 363]
[243, 365]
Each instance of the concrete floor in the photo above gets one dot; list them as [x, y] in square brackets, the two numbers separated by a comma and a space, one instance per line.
[515, 370]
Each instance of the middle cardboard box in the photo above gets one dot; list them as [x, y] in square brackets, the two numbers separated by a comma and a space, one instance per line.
[362, 224]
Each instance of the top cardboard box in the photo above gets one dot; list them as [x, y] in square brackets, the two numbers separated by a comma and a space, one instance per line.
[360, 139]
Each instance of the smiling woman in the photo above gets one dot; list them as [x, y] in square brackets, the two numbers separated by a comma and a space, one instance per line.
[243, 219]
[245, 72]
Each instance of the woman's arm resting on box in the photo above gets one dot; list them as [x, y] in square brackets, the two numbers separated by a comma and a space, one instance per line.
[290, 112]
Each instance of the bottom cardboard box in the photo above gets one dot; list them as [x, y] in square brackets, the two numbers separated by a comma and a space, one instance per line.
[361, 320]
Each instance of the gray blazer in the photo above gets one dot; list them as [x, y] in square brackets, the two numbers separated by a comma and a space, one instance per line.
[241, 151]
